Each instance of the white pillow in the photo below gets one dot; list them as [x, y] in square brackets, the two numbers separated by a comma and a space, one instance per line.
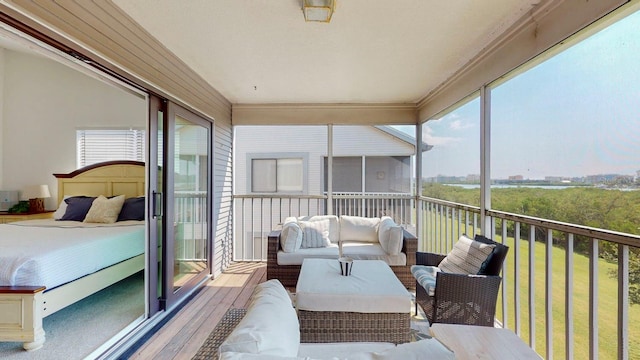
[105, 210]
[270, 326]
[291, 237]
[466, 257]
[358, 228]
[390, 236]
[62, 208]
[315, 234]
[334, 225]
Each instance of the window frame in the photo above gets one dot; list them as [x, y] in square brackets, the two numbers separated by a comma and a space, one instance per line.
[278, 156]
[134, 137]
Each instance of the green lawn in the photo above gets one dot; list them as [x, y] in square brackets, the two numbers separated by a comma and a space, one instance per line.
[607, 308]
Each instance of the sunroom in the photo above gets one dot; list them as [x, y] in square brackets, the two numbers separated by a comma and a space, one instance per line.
[517, 120]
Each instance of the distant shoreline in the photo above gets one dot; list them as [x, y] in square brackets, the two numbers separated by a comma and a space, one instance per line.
[538, 185]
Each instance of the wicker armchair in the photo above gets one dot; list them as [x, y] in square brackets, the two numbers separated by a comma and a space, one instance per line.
[460, 298]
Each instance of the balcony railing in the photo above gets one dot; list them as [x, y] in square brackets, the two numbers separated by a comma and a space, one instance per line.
[256, 215]
[558, 293]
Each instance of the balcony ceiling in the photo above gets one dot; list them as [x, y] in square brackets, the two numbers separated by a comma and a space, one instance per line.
[262, 51]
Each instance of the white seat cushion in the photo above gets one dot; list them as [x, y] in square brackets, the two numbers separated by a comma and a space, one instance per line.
[372, 287]
[371, 251]
[340, 350]
[426, 277]
[296, 258]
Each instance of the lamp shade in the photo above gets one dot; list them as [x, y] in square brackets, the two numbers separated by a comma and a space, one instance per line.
[35, 192]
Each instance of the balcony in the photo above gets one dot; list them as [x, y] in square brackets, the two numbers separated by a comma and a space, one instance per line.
[558, 293]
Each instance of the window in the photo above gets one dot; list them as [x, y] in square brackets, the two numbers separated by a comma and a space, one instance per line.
[277, 175]
[98, 145]
[451, 169]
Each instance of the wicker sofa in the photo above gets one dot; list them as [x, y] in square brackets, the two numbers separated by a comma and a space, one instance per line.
[286, 266]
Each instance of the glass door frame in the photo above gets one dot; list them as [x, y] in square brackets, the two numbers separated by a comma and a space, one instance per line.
[169, 297]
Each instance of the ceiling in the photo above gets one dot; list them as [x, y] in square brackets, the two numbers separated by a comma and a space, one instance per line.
[262, 51]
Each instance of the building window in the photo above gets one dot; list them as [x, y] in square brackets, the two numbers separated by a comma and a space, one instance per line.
[277, 175]
[98, 145]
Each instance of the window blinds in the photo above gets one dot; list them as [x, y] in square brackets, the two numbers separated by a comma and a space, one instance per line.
[98, 145]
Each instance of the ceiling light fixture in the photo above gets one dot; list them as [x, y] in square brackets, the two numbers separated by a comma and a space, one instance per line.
[318, 10]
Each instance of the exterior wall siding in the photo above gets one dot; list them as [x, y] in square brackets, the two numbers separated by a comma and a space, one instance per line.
[222, 195]
[312, 140]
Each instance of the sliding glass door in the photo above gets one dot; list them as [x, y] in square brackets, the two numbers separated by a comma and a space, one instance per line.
[183, 202]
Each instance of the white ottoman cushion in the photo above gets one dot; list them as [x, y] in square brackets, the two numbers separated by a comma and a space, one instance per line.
[372, 287]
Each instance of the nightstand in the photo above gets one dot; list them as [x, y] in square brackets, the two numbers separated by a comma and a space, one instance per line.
[6, 217]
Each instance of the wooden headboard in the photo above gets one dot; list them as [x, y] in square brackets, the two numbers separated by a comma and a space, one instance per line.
[106, 178]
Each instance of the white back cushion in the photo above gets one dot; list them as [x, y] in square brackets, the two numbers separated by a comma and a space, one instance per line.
[390, 236]
[357, 228]
[270, 326]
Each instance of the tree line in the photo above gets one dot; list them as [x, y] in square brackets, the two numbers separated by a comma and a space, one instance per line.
[599, 208]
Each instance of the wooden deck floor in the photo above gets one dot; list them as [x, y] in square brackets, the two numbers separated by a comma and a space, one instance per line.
[186, 331]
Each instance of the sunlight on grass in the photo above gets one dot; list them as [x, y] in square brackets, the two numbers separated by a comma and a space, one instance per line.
[607, 307]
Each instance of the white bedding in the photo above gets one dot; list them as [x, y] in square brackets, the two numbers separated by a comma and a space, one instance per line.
[52, 253]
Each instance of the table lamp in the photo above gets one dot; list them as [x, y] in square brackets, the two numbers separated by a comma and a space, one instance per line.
[36, 195]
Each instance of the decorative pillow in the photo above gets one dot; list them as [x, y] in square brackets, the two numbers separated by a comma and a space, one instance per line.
[291, 237]
[77, 207]
[62, 208]
[466, 257]
[132, 209]
[358, 228]
[270, 326]
[105, 210]
[390, 236]
[334, 225]
[315, 234]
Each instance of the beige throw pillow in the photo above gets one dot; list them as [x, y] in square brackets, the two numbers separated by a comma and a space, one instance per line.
[105, 210]
[466, 257]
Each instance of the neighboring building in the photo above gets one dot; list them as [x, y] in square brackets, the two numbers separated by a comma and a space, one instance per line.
[374, 162]
[288, 160]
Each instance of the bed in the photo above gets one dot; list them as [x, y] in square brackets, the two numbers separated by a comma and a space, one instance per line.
[46, 265]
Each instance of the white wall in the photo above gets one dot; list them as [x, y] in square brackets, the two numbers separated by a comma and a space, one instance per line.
[44, 103]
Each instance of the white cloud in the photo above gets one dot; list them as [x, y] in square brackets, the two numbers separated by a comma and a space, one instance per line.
[430, 138]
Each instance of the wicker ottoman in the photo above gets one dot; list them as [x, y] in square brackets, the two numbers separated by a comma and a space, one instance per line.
[370, 305]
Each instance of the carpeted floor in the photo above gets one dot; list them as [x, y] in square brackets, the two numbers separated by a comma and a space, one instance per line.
[77, 330]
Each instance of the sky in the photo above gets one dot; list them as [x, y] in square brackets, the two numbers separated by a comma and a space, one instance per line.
[575, 114]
